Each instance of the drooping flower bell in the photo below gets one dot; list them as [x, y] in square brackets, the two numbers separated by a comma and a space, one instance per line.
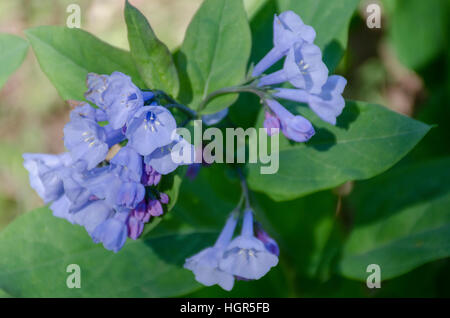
[328, 104]
[205, 264]
[86, 141]
[296, 128]
[116, 95]
[288, 29]
[44, 174]
[246, 256]
[303, 68]
[271, 124]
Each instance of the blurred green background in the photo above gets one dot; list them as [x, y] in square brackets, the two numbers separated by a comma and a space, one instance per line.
[404, 66]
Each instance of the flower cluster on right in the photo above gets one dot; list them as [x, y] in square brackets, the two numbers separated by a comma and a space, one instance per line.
[305, 70]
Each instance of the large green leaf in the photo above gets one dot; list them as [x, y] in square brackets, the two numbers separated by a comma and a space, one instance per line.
[330, 19]
[67, 55]
[367, 140]
[36, 249]
[418, 30]
[13, 50]
[214, 53]
[402, 221]
[153, 59]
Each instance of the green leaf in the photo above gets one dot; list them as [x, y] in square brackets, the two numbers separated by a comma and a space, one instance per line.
[153, 59]
[330, 19]
[402, 221]
[206, 201]
[4, 294]
[67, 55]
[367, 140]
[36, 249]
[427, 22]
[13, 50]
[303, 229]
[214, 53]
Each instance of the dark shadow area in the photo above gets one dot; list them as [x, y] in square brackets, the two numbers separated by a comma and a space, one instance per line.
[322, 140]
[185, 95]
[174, 249]
[332, 54]
[348, 116]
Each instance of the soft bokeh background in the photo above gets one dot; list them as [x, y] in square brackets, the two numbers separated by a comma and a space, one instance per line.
[403, 65]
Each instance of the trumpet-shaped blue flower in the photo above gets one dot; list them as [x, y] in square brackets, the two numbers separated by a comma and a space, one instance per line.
[303, 68]
[60, 208]
[116, 95]
[205, 264]
[86, 141]
[271, 124]
[130, 194]
[167, 158]
[44, 173]
[288, 29]
[112, 232]
[296, 128]
[150, 128]
[92, 215]
[328, 104]
[246, 256]
[130, 162]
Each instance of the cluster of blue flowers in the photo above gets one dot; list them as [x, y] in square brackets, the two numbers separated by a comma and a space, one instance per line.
[117, 154]
[304, 69]
[248, 256]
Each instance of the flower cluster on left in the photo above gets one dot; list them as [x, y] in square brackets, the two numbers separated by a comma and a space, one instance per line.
[118, 151]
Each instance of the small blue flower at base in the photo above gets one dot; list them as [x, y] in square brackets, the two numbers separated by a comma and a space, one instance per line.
[288, 29]
[116, 95]
[303, 68]
[296, 128]
[150, 128]
[328, 104]
[112, 232]
[205, 264]
[86, 141]
[246, 256]
[44, 174]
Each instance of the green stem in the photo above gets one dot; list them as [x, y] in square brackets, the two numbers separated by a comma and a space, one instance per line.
[190, 112]
[244, 186]
[232, 90]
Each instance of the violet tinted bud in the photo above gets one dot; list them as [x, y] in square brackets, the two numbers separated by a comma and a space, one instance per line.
[271, 124]
[270, 244]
